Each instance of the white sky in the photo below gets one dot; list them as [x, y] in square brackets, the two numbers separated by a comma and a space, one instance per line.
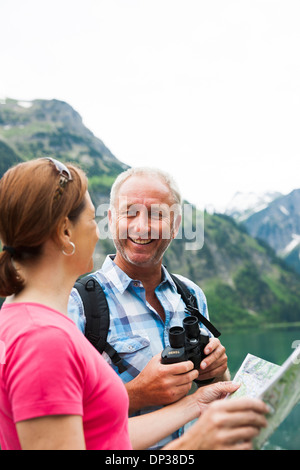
[208, 90]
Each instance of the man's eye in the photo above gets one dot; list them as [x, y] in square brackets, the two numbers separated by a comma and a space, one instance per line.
[156, 215]
[124, 213]
[132, 213]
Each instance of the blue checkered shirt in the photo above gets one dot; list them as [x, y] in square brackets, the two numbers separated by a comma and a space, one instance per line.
[136, 330]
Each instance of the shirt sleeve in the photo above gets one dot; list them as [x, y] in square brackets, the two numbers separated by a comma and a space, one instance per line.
[76, 310]
[44, 375]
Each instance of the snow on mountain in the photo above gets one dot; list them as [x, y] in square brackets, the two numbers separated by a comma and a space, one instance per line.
[292, 245]
[242, 205]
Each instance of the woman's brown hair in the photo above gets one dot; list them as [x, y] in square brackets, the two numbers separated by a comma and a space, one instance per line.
[32, 206]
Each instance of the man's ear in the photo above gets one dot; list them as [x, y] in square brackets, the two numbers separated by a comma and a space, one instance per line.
[111, 221]
[109, 214]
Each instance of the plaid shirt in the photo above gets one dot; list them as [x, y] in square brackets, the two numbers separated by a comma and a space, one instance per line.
[136, 330]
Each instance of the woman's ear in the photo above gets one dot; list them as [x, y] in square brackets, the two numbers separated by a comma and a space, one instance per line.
[63, 233]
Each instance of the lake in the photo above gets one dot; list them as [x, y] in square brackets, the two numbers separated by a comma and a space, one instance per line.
[273, 345]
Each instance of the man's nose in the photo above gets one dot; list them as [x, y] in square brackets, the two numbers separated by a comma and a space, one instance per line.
[142, 225]
[139, 225]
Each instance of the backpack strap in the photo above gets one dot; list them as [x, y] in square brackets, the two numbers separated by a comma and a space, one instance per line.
[97, 317]
[182, 289]
[191, 305]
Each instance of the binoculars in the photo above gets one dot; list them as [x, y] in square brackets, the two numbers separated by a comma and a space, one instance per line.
[186, 343]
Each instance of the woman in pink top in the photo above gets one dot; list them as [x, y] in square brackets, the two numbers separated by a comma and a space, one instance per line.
[56, 391]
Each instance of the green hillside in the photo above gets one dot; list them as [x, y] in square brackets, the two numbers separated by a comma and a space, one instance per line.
[245, 283]
[53, 128]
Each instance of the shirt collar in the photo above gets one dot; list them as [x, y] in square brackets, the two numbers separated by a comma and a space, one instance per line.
[115, 274]
[122, 281]
[166, 277]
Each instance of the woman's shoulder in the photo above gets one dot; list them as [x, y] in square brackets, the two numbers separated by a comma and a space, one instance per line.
[38, 323]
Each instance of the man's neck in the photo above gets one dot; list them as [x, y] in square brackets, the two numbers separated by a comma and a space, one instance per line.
[150, 276]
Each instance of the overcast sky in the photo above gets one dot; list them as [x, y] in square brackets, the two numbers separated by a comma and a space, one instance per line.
[208, 90]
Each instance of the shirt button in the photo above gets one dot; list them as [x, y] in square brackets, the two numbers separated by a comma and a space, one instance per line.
[136, 284]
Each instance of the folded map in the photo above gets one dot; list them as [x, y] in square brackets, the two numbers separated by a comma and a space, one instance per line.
[278, 386]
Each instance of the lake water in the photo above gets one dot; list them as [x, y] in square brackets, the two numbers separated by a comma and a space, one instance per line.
[273, 345]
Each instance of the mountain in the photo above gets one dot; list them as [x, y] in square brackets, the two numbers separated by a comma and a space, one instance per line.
[279, 226]
[40, 128]
[246, 284]
[243, 205]
[243, 279]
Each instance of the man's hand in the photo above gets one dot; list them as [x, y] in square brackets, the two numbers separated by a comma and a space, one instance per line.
[160, 384]
[215, 364]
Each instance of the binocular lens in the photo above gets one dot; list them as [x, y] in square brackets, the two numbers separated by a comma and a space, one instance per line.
[177, 337]
[191, 326]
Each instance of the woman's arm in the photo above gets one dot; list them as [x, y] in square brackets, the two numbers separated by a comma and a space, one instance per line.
[148, 429]
[61, 432]
[225, 425]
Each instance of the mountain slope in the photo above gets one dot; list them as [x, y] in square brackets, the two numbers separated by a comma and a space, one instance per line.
[53, 128]
[243, 205]
[243, 279]
[279, 226]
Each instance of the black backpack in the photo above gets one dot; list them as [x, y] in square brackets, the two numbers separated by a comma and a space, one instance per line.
[97, 314]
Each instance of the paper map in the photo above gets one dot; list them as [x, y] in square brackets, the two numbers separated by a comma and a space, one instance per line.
[278, 386]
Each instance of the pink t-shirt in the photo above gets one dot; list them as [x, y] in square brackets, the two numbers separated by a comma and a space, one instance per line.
[51, 369]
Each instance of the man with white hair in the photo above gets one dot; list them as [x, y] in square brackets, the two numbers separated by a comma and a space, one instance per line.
[143, 301]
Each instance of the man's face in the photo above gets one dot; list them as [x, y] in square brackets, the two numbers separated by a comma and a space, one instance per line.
[143, 224]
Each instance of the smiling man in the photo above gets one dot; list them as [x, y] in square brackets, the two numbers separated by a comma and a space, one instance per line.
[144, 215]
[143, 222]
[143, 301]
